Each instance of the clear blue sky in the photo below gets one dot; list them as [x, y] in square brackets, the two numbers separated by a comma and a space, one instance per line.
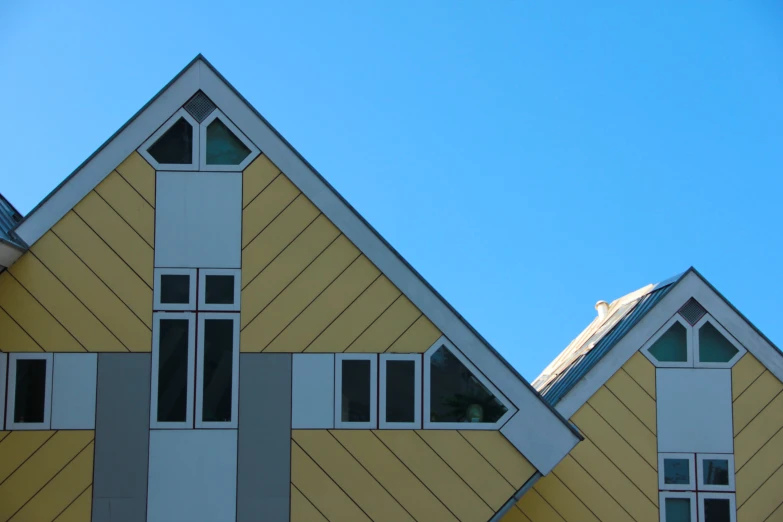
[528, 158]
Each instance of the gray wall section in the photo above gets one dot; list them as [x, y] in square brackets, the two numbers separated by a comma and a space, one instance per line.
[264, 446]
[122, 437]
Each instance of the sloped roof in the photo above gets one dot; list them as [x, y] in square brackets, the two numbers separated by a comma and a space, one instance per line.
[9, 218]
[595, 341]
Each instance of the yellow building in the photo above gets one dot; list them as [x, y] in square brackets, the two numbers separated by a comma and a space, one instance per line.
[195, 326]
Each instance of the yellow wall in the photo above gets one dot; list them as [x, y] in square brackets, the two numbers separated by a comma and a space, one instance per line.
[612, 475]
[86, 285]
[306, 287]
[399, 475]
[758, 441]
[46, 476]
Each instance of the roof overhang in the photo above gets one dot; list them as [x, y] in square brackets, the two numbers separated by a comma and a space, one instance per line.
[9, 253]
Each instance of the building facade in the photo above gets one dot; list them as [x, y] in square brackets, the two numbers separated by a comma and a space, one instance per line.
[195, 326]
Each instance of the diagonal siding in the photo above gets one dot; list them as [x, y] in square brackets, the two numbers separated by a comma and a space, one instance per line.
[306, 287]
[86, 285]
[46, 475]
[402, 475]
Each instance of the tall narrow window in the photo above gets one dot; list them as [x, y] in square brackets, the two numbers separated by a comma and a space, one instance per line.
[356, 391]
[218, 369]
[172, 365]
[678, 506]
[29, 392]
[400, 389]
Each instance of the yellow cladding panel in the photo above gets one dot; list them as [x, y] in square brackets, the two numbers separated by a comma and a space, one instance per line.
[38, 476]
[568, 505]
[276, 237]
[759, 468]
[747, 370]
[642, 371]
[17, 447]
[590, 492]
[80, 281]
[59, 301]
[33, 318]
[635, 398]
[136, 171]
[357, 317]
[515, 515]
[286, 267]
[504, 457]
[387, 328]
[107, 265]
[758, 432]
[302, 510]
[754, 399]
[13, 338]
[416, 339]
[537, 509]
[352, 478]
[321, 491]
[266, 206]
[131, 207]
[256, 177]
[120, 237]
[392, 474]
[326, 307]
[449, 487]
[80, 510]
[765, 503]
[296, 296]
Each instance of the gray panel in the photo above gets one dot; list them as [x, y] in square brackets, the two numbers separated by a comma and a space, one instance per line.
[122, 437]
[264, 449]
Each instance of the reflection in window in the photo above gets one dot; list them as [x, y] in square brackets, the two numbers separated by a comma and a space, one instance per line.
[716, 472]
[223, 147]
[678, 509]
[175, 147]
[218, 360]
[400, 391]
[671, 346]
[676, 471]
[30, 393]
[173, 370]
[356, 391]
[456, 395]
[713, 347]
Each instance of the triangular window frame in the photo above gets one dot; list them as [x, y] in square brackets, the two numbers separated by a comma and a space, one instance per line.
[218, 114]
[193, 165]
[695, 342]
[660, 333]
[511, 410]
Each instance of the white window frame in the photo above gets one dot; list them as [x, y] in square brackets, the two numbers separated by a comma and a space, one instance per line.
[690, 486]
[695, 343]
[338, 387]
[429, 425]
[217, 114]
[202, 285]
[3, 382]
[730, 496]
[156, 318]
[193, 165]
[663, 495]
[157, 305]
[416, 359]
[701, 457]
[665, 328]
[11, 397]
[202, 317]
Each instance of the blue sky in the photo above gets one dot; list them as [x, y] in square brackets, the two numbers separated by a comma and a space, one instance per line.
[528, 158]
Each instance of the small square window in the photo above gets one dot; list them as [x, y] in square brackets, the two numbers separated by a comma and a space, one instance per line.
[356, 391]
[676, 471]
[29, 391]
[219, 289]
[677, 506]
[400, 389]
[717, 507]
[174, 289]
[716, 472]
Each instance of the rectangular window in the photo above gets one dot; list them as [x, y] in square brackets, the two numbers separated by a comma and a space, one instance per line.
[356, 391]
[717, 507]
[677, 506]
[217, 384]
[400, 389]
[219, 289]
[716, 472]
[29, 391]
[173, 343]
[676, 471]
[174, 289]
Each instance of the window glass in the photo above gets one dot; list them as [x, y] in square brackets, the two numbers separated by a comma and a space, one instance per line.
[678, 510]
[356, 390]
[400, 391]
[456, 395]
[676, 471]
[713, 347]
[717, 510]
[223, 147]
[219, 289]
[671, 346]
[175, 146]
[30, 393]
[218, 362]
[174, 289]
[715, 472]
[173, 370]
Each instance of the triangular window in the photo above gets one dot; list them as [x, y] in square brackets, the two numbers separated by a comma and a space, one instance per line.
[713, 346]
[175, 146]
[223, 147]
[672, 346]
[457, 396]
